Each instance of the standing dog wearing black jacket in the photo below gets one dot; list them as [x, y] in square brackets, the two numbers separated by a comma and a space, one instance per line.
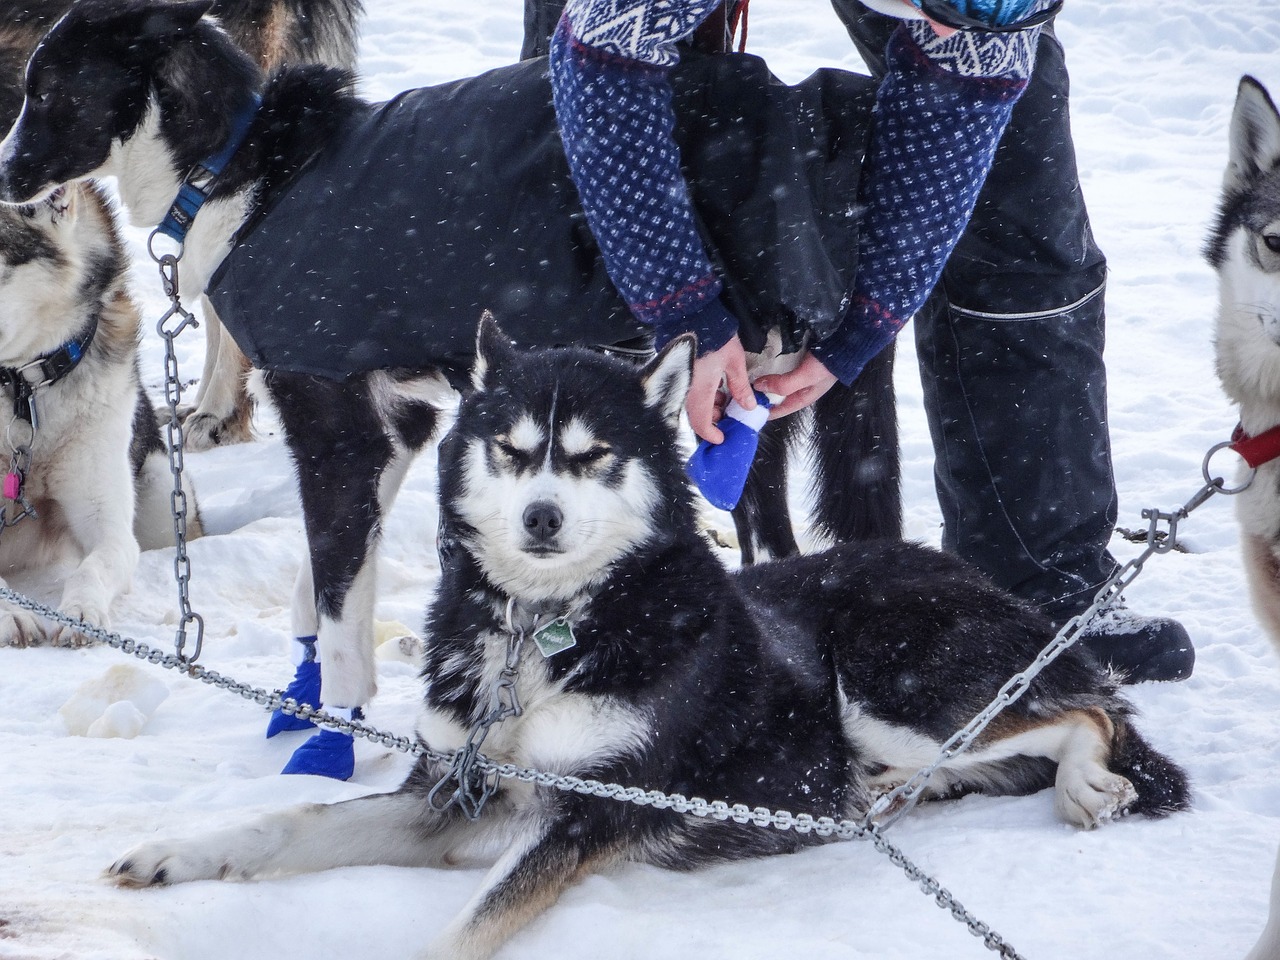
[154, 93]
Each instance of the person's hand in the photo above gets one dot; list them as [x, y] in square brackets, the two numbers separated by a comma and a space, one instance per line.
[799, 388]
[705, 403]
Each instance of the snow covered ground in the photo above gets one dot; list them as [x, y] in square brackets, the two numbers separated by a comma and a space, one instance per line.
[1153, 89]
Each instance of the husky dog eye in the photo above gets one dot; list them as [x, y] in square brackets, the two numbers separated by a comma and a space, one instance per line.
[589, 458]
[1271, 241]
[510, 455]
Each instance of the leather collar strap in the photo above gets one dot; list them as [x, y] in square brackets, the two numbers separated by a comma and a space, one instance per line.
[1258, 450]
[200, 180]
[43, 371]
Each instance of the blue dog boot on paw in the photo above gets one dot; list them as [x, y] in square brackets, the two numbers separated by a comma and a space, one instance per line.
[720, 469]
[327, 754]
[304, 688]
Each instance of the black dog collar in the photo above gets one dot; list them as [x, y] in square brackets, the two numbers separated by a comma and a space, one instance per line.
[48, 369]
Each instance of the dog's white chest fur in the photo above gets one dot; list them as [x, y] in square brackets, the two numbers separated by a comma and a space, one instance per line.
[556, 729]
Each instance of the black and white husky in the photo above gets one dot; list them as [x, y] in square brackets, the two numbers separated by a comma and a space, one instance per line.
[574, 578]
[1244, 248]
[87, 476]
[145, 91]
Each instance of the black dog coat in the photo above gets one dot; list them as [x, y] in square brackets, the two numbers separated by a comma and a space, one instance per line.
[450, 200]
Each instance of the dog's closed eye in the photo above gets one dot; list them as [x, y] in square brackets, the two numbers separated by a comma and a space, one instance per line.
[589, 458]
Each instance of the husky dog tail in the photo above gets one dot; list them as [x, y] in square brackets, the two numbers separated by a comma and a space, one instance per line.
[853, 448]
[1162, 786]
[857, 494]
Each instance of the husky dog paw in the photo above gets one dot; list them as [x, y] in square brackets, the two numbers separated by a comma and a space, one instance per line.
[18, 628]
[153, 864]
[204, 431]
[91, 612]
[1087, 801]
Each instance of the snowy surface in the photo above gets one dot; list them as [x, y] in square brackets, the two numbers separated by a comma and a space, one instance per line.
[1153, 89]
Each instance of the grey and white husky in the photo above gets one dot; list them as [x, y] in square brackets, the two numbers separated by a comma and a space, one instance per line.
[88, 478]
[575, 578]
[1244, 249]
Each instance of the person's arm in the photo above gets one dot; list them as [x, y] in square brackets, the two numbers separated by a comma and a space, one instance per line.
[612, 92]
[939, 113]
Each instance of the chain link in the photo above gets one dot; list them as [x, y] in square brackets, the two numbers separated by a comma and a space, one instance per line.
[169, 331]
[472, 791]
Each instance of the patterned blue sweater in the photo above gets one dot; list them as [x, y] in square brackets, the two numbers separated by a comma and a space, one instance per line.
[940, 111]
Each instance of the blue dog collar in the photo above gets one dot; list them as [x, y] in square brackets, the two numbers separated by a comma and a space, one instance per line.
[199, 182]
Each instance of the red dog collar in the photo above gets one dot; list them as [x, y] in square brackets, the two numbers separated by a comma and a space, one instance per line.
[1256, 450]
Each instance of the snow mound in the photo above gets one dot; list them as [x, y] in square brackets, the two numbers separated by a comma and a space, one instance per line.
[116, 704]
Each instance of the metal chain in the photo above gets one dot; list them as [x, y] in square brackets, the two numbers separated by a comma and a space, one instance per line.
[472, 792]
[169, 331]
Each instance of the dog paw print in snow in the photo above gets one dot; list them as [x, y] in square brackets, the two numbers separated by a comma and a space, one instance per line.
[117, 704]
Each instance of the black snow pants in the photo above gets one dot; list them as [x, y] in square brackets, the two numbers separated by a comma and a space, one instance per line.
[1010, 351]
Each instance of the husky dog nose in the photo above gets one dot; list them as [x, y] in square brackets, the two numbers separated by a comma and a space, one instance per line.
[542, 520]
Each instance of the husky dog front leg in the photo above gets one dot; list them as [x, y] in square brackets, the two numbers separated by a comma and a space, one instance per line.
[350, 465]
[105, 531]
[94, 493]
[395, 829]
[525, 881]
[223, 412]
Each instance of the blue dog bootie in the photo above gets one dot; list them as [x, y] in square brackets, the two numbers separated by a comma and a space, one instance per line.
[720, 469]
[304, 688]
[329, 753]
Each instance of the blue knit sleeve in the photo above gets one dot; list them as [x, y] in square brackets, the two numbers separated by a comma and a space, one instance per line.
[939, 113]
[610, 73]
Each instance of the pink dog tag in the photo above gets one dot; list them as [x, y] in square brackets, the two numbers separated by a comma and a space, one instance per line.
[12, 485]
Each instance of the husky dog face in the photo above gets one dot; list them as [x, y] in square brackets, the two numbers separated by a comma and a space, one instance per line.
[87, 88]
[49, 268]
[557, 462]
[1245, 250]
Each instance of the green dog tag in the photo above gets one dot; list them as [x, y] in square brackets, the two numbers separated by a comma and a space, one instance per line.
[554, 638]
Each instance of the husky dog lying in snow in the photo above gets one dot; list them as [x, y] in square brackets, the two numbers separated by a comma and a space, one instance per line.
[572, 564]
[87, 474]
[1244, 248]
[147, 91]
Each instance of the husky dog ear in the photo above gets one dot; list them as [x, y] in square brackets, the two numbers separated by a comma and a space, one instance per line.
[63, 207]
[492, 349]
[169, 19]
[1255, 135]
[667, 377]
